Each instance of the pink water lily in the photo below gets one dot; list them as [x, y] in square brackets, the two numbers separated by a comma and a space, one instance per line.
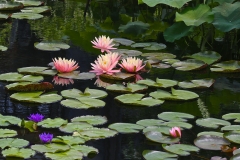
[132, 64]
[63, 65]
[104, 43]
[62, 81]
[175, 132]
[106, 63]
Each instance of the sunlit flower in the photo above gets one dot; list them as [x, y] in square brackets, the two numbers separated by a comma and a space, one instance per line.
[132, 64]
[36, 117]
[46, 137]
[105, 64]
[175, 132]
[62, 81]
[63, 65]
[101, 83]
[218, 158]
[104, 43]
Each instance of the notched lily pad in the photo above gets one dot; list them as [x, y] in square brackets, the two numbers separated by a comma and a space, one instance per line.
[158, 155]
[189, 65]
[175, 116]
[163, 129]
[95, 133]
[198, 83]
[77, 75]
[51, 147]
[83, 103]
[88, 93]
[28, 86]
[93, 120]
[127, 53]
[179, 124]
[13, 142]
[123, 41]
[180, 149]
[35, 70]
[69, 140]
[51, 46]
[16, 77]
[212, 122]
[19, 153]
[119, 76]
[226, 66]
[52, 123]
[231, 116]
[126, 127]
[9, 120]
[66, 155]
[160, 83]
[24, 15]
[85, 150]
[71, 127]
[130, 88]
[233, 136]
[158, 137]
[150, 122]
[4, 133]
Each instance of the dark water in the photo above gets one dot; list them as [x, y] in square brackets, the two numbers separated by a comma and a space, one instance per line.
[67, 22]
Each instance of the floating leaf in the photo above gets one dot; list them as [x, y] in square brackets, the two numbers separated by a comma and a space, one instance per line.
[17, 152]
[155, 47]
[134, 28]
[231, 116]
[9, 120]
[51, 46]
[9, 5]
[158, 155]
[175, 116]
[69, 140]
[71, 127]
[77, 75]
[156, 136]
[96, 133]
[28, 86]
[210, 142]
[119, 76]
[127, 53]
[37, 71]
[180, 149]
[231, 128]
[85, 150]
[83, 103]
[161, 65]
[88, 93]
[52, 123]
[233, 136]
[159, 56]
[4, 133]
[170, 60]
[162, 129]
[13, 142]
[211, 133]
[42, 9]
[198, 83]
[130, 88]
[23, 15]
[189, 65]
[93, 120]
[160, 83]
[16, 77]
[212, 122]
[226, 66]
[3, 17]
[172, 3]
[51, 147]
[67, 155]
[123, 41]
[179, 124]
[28, 3]
[149, 122]
[126, 127]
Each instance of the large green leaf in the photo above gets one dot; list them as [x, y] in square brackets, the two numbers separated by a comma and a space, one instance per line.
[13, 142]
[130, 88]
[134, 28]
[96, 133]
[226, 66]
[231, 116]
[7, 133]
[51, 46]
[163, 129]
[189, 65]
[37, 71]
[85, 150]
[17, 152]
[172, 3]
[226, 9]
[10, 5]
[51, 147]
[180, 149]
[233, 136]
[88, 93]
[231, 128]
[160, 83]
[9, 120]
[28, 86]
[71, 127]
[16, 77]
[197, 83]
[175, 116]
[77, 75]
[156, 136]
[212, 122]
[126, 127]
[158, 155]
[67, 155]
[52, 123]
[42, 9]
[69, 140]
[93, 120]
[23, 15]
[150, 122]
[84, 103]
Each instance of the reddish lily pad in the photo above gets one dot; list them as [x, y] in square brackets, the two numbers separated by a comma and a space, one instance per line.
[28, 86]
[119, 76]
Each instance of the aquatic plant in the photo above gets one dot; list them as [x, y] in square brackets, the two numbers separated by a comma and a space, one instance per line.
[36, 117]
[132, 64]
[104, 43]
[63, 65]
[46, 137]
[175, 132]
[218, 158]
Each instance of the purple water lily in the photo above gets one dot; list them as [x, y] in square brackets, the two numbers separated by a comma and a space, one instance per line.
[46, 137]
[36, 117]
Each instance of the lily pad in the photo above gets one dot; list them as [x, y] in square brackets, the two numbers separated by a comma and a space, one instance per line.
[71, 127]
[189, 65]
[150, 122]
[155, 47]
[77, 75]
[179, 124]
[161, 65]
[52, 123]
[69, 140]
[119, 76]
[17, 152]
[172, 3]
[231, 128]
[231, 116]
[51, 147]
[4, 133]
[9, 120]
[88, 93]
[198, 83]
[180, 149]
[37, 71]
[123, 41]
[24, 15]
[28, 86]
[127, 52]
[83, 103]
[211, 133]
[126, 127]
[176, 95]
[31, 3]
[212, 122]
[160, 83]
[138, 100]
[159, 56]
[42, 9]
[170, 60]
[93, 120]
[233, 136]
[130, 88]
[96, 133]
[162, 129]
[85, 150]
[51, 46]
[208, 57]
[9, 5]
[210, 142]
[13, 142]
[3, 17]
[175, 116]
[226, 66]
[16, 77]
[158, 155]
[66, 155]
[136, 28]
[156, 136]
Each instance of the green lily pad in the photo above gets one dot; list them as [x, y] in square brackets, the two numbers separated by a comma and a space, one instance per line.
[212, 122]
[127, 52]
[135, 28]
[141, 44]
[226, 66]
[175, 116]
[93, 120]
[161, 65]
[4, 133]
[13, 142]
[126, 127]
[160, 83]
[42, 9]
[156, 136]
[231, 128]
[123, 41]
[172, 3]
[159, 56]
[17, 152]
[210, 142]
[170, 60]
[28, 86]
[130, 88]
[77, 75]
[9, 5]
[30, 125]
[179, 124]
[158, 155]
[88, 93]
[162, 129]
[16, 77]
[119, 76]
[226, 8]
[23, 15]
[189, 65]
[231, 116]
[69, 140]
[37, 71]
[150, 122]
[235, 157]
[36, 97]
[85, 150]
[66, 155]
[210, 133]
[71, 127]
[96, 133]
[233, 136]
[176, 95]
[155, 47]
[136, 99]
[31, 3]
[52, 123]
[3, 17]
[198, 83]
[208, 57]
[180, 149]
[83, 103]
[51, 147]
[51, 46]
[9, 120]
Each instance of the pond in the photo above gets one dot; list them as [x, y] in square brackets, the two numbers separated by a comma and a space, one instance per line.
[139, 128]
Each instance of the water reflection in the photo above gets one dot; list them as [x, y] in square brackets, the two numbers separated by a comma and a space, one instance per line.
[62, 81]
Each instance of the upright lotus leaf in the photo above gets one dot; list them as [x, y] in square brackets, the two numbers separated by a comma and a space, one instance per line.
[10, 6]
[130, 88]
[85, 150]
[9, 120]
[97, 133]
[162, 129]
[195, 16]
[208, 57]
[77, 75]
[137, 100]
[88, 93]
[226, 66]
[150, 122]
[66, 155]
[210, 133]
[13, 142]
[3, 17]
[40, 10]
[50, 148]
[179, 124]
[157, 137]
[233, 136]
[127, 53]
[180, 149]
[189, 65]
[123, 41]
[212, 122]
[160, 83]
[175, 116]
[226, 8]
[158, 155]
[158, 56]
[177, 31]
[71, 127]
[69, 140]
[134, 28]
[23, 15]
[198, 83]
[17, 152]
[231, 116]
[126, 127]
[28, 86]
[37, 71]
[52, 123]
[231, 128]
[51, 46]
[172, 3]
[83, 103]
[93, 120]
[4, 133]
[176, 95]
[16, 77]
[210, 142]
